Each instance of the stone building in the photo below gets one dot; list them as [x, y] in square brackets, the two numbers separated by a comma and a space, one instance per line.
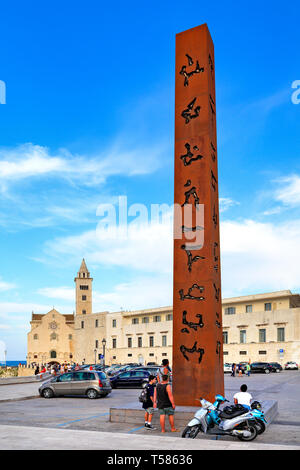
[262, 327]
[51, 338]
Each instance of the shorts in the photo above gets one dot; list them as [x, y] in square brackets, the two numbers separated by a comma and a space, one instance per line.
[166, 411]
[149, 410]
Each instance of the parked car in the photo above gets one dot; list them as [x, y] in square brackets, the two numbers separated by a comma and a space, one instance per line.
[152, 369]
[119, 370]
[131, 378]
[276, 367]
[227, 367]
[263, 367]
[91, 383]
[291, 365]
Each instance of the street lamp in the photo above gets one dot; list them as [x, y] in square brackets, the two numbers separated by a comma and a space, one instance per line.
[103, 344]
[5, 352]
[95, 351]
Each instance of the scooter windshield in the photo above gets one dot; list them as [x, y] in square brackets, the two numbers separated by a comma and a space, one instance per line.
[205, 404]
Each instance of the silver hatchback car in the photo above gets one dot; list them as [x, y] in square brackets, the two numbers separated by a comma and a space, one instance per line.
[92, 383]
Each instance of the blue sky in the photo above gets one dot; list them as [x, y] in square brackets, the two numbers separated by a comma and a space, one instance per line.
[89, 116]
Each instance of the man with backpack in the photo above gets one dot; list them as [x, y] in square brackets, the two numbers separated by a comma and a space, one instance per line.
[147, 398]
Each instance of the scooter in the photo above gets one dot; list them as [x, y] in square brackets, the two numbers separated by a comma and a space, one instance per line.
[211, 420]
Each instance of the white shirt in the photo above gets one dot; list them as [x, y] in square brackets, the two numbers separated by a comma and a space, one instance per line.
[243, 398]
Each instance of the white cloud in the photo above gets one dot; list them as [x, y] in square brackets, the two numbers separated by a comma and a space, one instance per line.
[289, 191]
[4, 286]
[142, 292]
[62, 293]
[226, 202]
[258, 257]
[31, 161]
[147, 248]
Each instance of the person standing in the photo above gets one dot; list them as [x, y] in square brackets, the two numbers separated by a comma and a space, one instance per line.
[164, 401]
[248, 369]
[233, 370]
[164, 369]
[148, 405]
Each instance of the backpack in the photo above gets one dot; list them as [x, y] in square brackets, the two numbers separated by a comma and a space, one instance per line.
[160, 372]
[143, 398]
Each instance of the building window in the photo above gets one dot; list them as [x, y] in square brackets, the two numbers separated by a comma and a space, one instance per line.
[35, 336]
[164, 354]
[157, 318]
[248, 308]
[268, 306]
[262, 336]
[83, 312]
[151, 341]
[140, 342]
[71, 356]
[135, 321]
[129, 355]
[96, 344]
[242, 336]
[164, 340]
[114, 323]
[262, 352]
[84, 287]
[225, 337]
[96, 323]
[169, 317]
[70, 336]
[225, 353]
[243, 353]
[53, 354]
[114, 357]
[229, 310]
[145, 320]
[53, 336]
[151, 354]
[114, 343]
[130, 342]
[82, 324]
[280, 334]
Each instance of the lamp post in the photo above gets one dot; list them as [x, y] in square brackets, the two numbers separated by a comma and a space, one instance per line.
[95, 351]
[103, 344]
[5, 352]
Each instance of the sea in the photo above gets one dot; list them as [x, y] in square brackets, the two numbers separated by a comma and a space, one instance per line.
[11, 363]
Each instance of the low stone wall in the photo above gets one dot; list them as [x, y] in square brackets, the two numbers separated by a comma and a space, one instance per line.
[133, 414]
[20, 380]
[25, 371]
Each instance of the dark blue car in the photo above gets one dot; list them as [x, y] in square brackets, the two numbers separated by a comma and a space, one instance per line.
[130, 378]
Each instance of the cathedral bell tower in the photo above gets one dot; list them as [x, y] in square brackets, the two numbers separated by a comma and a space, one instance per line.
[83, 283]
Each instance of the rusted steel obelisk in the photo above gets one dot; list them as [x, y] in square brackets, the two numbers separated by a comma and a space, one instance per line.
[197, 320]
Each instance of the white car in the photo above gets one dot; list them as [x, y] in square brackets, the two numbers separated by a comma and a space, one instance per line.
[227, 367]
[291, 365]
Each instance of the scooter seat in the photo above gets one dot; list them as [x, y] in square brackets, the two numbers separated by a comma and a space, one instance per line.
[225, 415]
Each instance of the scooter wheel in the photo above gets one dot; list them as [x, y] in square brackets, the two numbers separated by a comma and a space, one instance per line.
[253, 432]
[190, 432]
[260, 426]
